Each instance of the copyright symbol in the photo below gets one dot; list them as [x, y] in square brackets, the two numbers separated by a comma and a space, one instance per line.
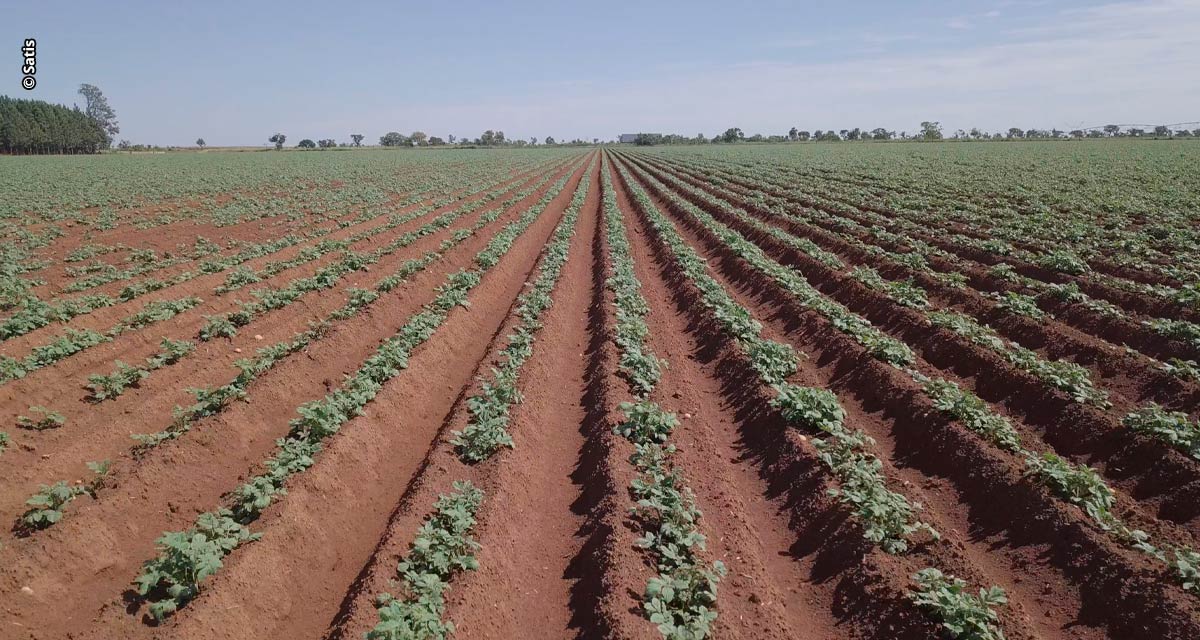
[29, 82]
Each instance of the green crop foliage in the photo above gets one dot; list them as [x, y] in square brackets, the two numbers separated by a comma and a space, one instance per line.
[1172, 427]
[486, 431]
[441, 549]
[964, 616]
[41, 420]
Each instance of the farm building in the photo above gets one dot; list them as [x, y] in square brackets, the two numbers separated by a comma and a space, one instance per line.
[627, 137]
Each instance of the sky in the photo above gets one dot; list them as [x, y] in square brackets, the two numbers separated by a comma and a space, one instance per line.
[236, 72]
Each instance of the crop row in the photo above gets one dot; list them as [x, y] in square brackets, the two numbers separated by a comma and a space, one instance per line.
[225, 325]
[681, 599]
[212, 401]
[221, 325]
[74, 341]
[1039, 231]
[920, 256]
[1064, 376]
[888, 518]
[185, 554]
[486, 431]
[442, 548]
[35, 313]
[1076, 484]
[1054, 261]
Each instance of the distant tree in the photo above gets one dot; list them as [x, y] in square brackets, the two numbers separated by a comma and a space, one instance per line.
[1196, 133]
[1183, 133]
[491, 138]
[1095, 133]
[1077, 133]
[828, 136]
[732, 134]
[879, 133]
[36, 126]
[278, 139]
[435, 141]
[1137, 133]
[307, 144]
[327, 143]
[532, 141]
[700, 139]
[451, 138]
[549, 139]
[124, 145]
[392, 139]
[792, 133]
[357, 138]
[200, 143]
[1016, 132]
[418, 138]
[1112, 129]
[98, 109]
[803, 136]
[931, 130]
[1161, 131]
[758, 137]
[647, 139]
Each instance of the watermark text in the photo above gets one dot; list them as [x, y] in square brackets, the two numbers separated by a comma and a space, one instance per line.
[29, 64]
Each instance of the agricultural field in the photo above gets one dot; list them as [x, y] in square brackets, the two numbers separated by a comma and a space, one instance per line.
[855, 390]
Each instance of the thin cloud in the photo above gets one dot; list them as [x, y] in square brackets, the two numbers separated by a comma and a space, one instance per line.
[1097, 68]
[793, 43]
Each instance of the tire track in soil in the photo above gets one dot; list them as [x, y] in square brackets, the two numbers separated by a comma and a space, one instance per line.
[105, 541]
[61, 453]
[1037, 553]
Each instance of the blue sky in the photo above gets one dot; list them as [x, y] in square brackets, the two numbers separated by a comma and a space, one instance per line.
[235, 72]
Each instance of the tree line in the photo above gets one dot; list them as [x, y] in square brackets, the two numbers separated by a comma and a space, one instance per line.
[928, 130]
[38, 127]
[489, 138]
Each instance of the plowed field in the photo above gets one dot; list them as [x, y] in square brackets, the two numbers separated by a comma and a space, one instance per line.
[729, 393]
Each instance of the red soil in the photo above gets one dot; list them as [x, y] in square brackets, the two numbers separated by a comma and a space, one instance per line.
[557, 552]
